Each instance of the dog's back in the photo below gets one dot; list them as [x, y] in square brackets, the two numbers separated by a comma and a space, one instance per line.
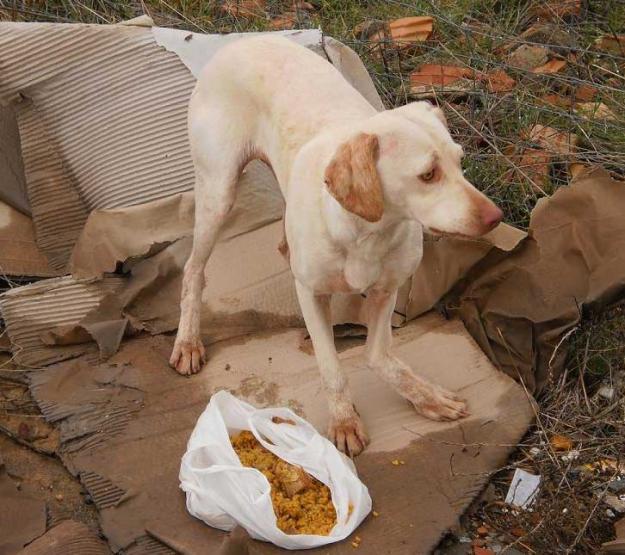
[281, 84]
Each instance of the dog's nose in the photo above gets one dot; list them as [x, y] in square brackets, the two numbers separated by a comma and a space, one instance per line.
[492, 216]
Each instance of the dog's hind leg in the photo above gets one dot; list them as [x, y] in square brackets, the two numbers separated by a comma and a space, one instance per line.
[218, 148]
[430, 400]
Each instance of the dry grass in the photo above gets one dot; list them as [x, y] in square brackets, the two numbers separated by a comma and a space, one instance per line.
[570, 515]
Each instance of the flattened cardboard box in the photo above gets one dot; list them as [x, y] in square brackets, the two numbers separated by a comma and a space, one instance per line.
[125, 423]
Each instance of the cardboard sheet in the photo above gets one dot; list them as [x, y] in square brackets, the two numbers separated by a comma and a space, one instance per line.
[67, 538]
[249, 284]
[520, 307]
[32, 310]
[124, 425]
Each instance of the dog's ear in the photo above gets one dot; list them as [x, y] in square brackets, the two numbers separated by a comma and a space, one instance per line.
[352, 177]
[415, 111]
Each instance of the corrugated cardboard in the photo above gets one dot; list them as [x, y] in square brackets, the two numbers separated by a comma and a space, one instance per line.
[616, 546]
[68, 538]
[125, 423]
[12, 181]
[104, 125]
[19, 253]
[34, 309]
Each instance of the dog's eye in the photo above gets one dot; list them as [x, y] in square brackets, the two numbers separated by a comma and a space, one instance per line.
[428, 176]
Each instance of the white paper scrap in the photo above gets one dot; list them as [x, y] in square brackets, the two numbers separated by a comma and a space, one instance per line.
[523, 489]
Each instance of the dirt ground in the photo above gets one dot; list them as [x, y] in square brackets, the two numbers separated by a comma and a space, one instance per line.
[27, 450]
[44, 477]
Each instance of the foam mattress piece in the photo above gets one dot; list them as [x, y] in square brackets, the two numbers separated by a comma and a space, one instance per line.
[124, 426]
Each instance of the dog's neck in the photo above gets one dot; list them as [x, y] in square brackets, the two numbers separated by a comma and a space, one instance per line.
[348, 229]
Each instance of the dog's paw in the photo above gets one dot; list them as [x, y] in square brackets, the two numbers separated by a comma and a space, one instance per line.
[436, 403]
[348, 434]
[188, 357]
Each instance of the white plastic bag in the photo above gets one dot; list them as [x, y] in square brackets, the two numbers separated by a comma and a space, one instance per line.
[223, 493]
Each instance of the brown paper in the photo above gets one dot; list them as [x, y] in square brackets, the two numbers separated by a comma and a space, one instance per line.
[125, 423]
[446, 260]
[520, 307]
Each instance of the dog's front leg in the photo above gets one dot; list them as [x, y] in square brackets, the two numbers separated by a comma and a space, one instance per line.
[430, 400]
[345, 428]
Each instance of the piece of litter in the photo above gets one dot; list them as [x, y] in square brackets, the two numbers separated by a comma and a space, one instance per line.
[615, 503]
[606, 392]
[523, 489]
[570, 456]
[395, 462]
[564, 511]
[355, 544]
[610, 513]
[375, 513]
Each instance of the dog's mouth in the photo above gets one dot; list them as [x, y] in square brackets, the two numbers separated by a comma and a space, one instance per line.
[440, 233]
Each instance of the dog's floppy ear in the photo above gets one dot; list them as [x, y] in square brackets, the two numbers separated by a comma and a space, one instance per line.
[352, 177]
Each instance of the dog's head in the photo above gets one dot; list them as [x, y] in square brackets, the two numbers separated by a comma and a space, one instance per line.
[404, 161]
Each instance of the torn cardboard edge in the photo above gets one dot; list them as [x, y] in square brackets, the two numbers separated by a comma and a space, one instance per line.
[33, 310]
[67, 538]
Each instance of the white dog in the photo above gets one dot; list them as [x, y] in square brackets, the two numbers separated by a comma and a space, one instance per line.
[360, 187]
